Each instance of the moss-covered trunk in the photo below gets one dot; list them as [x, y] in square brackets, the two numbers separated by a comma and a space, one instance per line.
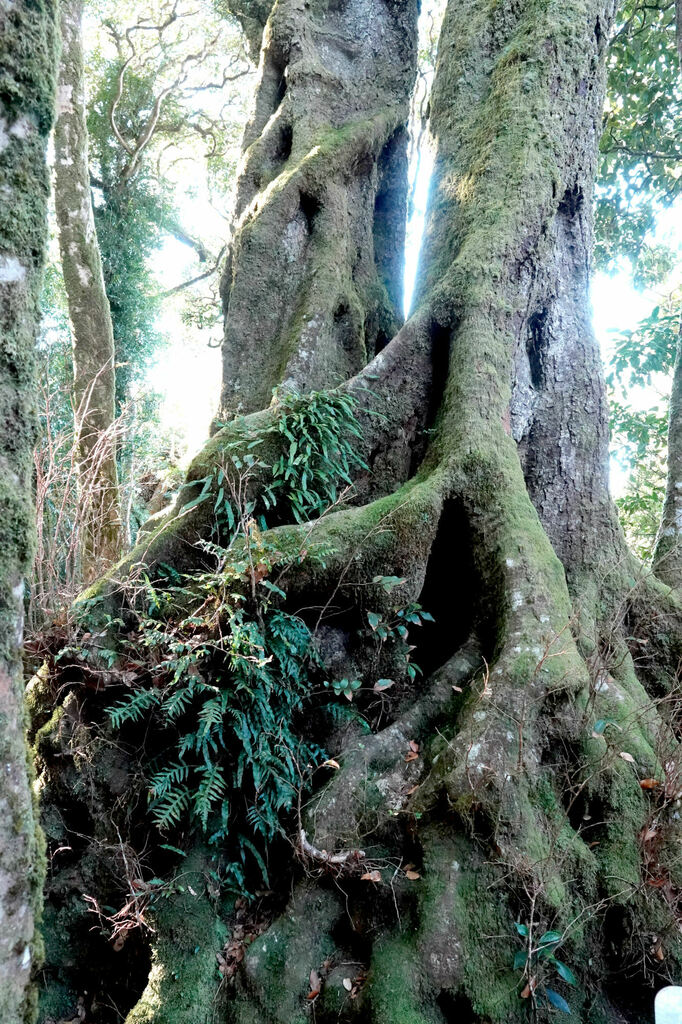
[27, 65]
[668, 554]
[312, 288]
[91, 327]
[503, 839]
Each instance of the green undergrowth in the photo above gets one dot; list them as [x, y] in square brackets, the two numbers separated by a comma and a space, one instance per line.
[223, 679]
[225, 684]
[315, 455]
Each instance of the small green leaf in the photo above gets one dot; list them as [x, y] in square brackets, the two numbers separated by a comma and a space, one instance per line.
[565, 972]
[522, 929]
[520, 959]
[556, 1000]
[601, 724]
[173, 849]
[551, 938]
[374, 618]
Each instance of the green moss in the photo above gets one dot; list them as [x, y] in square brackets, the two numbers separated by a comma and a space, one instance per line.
[43, 737]
[465, 920]
[183, 985]
[395, 981]
[277, 966]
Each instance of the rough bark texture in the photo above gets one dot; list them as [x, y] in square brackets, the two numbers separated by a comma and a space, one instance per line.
[553, 654]
[91, 326]
[27, 62]
[668, 554]
[312, 290]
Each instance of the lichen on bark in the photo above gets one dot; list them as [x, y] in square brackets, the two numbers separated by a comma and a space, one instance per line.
[27, 67]
[322, 190]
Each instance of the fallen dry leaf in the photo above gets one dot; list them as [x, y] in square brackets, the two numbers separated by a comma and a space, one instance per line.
[330, 763]
[371, 876]
[412, 875]
[414, 746]
[649, 783]
[315, 985]
[627, 757]
[530, 987]
[412, 756]
[347, 984]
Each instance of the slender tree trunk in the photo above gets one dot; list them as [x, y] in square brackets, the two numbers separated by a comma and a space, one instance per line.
[546, 724]
[91, 326]
[27, 62]
[668, 553]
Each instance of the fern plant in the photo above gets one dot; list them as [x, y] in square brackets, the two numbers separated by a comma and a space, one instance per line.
[318, 435]
[229, 670]
[319, 432]
[228, 683]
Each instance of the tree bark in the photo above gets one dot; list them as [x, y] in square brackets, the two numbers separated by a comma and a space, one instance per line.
[91, 327]
[668, 553]
[546, 722]
[322, 191]
[27, 60]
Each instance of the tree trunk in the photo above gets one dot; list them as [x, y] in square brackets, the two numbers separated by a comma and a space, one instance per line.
[27, 59]
[91, 327]
[531, 776]
[322, 192]
[668, 552]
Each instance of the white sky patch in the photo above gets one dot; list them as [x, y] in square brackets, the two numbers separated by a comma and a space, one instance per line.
[188, 372]
[11, 270]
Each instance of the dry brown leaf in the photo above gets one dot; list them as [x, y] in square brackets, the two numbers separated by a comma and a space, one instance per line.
[627, 757]
[371, 876]
[649, 783]
[330, 763]
[413, 875]
[650, 834]
[414, 746]
[457, 689]
[347, 984]
[412, 756]
[411, 790]
[315, 985]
